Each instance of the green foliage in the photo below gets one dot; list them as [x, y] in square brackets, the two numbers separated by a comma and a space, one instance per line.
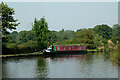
[14, 34]
[115, 57]
[40, 29]
[12, 37]
[85, 36]
[116, 30]
[22, 46]
[61, 37]
[69, 34]
[98, 40]
[8, 21]
[30, 46]
[25, 36]
[12, 46]
[52, 38]
[11, 49]
[103, 30]
[115, 39]
[90, 46]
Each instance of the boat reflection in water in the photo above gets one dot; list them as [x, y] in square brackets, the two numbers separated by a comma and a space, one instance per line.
[62, 57]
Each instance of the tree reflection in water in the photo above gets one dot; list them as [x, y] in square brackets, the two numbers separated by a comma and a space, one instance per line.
[42, 68]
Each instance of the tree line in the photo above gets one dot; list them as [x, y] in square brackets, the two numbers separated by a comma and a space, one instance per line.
[91, 37]
[39, 37]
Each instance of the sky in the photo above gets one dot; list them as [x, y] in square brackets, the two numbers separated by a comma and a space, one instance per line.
[65, 15]
[61, 0]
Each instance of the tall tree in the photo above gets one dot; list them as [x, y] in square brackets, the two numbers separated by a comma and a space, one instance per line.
[116, 33]
[116, 30]
[8, 21]
[40, 29]
[103, 30]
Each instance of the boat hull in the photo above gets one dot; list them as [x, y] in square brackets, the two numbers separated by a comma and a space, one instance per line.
[65, 52]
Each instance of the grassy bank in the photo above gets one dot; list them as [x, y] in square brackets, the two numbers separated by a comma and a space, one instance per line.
[115, 57]
[92, 50]
[24, 54]
[28, 47]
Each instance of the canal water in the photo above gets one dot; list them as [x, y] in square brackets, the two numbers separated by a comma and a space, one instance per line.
[89, 65]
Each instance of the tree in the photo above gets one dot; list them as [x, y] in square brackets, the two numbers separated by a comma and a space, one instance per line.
[12, 37]
[8, 21]
[115, 39]
[63, 35]
[40, 29]
[14, 34]
[103, 30]
[116, 30]
[25, 36]
[52, 36]
[85, 36]
[98, 40]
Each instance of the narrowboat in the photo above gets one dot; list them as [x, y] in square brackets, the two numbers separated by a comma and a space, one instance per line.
[65, 49]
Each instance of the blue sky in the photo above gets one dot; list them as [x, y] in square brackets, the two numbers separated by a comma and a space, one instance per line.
[65, 15]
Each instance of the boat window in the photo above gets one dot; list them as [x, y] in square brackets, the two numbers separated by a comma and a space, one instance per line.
[63, 48]
[72, 47]
[58, 48]
[79, 47]
[69, 47]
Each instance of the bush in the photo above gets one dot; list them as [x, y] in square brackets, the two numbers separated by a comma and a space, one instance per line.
[22, 46]
[12, 46]
[91, 46]
[115, 39]
[30, 46]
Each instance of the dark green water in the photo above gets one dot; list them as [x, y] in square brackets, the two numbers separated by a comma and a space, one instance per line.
[65, 66]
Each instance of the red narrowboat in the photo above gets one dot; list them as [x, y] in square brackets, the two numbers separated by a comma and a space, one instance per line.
[66, 49]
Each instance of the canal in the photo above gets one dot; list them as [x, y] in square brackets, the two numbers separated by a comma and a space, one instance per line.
[89, 65]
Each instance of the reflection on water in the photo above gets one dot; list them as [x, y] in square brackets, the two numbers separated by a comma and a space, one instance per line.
[19, 68]
[41, 68]
[65, 66]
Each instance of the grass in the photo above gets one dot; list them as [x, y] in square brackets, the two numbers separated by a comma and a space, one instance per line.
[68, 44]
[115, 57]
[91, 50]
[24, 54]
